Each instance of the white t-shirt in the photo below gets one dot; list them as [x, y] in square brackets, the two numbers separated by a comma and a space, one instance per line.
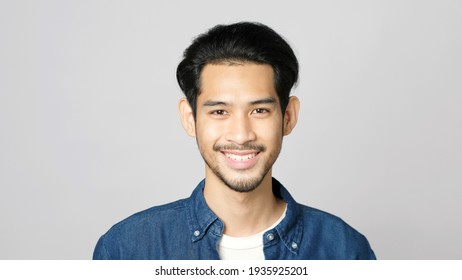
[244, 248]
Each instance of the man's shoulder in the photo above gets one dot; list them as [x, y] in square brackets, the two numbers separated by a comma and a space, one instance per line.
[333, 234]
[152, 216]
[135, 236]
[319, 216]
[321, 220]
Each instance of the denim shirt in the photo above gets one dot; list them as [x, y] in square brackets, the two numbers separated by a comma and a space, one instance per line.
[188, 229]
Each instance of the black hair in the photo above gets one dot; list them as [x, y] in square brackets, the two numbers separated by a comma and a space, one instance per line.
[238, 42]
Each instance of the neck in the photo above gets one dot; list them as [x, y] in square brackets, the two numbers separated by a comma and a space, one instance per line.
[243, 214]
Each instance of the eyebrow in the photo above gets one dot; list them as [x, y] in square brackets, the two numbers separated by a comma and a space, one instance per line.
[211, 103]
[269, 100]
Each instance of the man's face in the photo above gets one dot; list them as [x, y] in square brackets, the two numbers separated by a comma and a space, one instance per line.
[238, 123]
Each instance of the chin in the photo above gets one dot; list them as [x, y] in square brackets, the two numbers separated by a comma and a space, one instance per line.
[242, 187]
[239, 183]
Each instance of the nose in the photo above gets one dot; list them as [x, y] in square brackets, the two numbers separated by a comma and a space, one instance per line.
[240, 130]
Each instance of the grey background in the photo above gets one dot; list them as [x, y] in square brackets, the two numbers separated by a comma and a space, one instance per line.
[90, 132]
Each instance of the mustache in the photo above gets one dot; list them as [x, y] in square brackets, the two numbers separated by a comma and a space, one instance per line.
[245, 147]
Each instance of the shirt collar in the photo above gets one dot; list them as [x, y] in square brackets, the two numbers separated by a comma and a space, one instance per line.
[290, 229]
[201, 219]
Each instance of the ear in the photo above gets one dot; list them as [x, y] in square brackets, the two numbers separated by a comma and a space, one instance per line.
[187, 117]
[291, 115]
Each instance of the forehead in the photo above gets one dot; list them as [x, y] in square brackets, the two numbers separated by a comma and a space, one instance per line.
[237, 81]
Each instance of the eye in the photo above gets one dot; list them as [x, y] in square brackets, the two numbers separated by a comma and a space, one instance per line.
[260, 111]
[218, 112]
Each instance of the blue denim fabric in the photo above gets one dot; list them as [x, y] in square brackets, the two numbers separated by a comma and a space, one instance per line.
[188, 229]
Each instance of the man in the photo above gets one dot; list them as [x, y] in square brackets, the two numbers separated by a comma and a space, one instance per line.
[237, 81]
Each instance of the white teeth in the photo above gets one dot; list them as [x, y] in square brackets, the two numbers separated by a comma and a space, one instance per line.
[240, 158]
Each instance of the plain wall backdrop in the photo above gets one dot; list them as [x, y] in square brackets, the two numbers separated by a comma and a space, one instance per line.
[89, 130]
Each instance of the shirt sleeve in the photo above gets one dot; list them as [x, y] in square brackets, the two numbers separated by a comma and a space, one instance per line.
[365, 251]
[100, 252]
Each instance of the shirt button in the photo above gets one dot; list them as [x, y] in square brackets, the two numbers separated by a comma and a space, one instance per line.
[270, 236]
[294, 245]
[197, 233]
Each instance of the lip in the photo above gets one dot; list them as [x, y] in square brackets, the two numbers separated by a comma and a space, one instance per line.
[241, 160]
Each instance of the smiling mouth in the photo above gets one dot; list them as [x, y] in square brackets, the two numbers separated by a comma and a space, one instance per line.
[240, 157]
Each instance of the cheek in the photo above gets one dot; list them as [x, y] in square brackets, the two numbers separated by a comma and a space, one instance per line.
[208, 133]
[270, 131]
